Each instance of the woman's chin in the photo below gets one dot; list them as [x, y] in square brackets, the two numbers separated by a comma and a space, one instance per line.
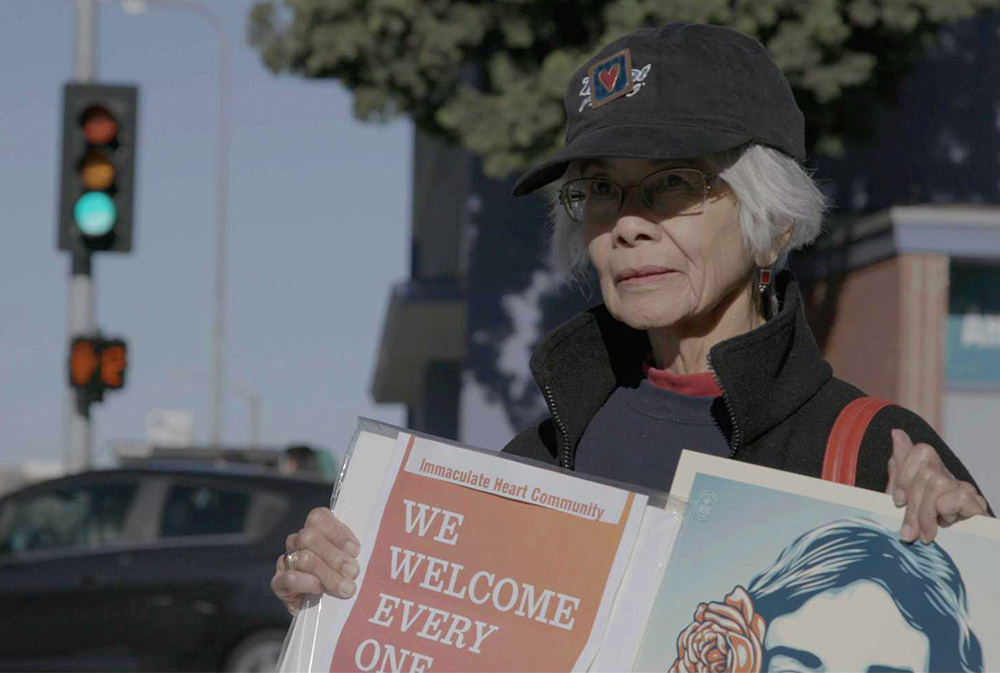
[649, 315]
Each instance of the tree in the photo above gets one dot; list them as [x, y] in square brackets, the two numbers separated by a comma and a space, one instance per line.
[491, 74]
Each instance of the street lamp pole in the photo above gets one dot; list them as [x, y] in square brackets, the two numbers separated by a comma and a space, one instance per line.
[253, 411]
[252, 399]
[218, 381]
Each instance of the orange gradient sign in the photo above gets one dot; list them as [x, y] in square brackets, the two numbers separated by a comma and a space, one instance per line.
[465, 574]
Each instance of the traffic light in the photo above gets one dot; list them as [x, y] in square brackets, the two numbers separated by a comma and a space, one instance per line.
[98, 166]
[97, 364]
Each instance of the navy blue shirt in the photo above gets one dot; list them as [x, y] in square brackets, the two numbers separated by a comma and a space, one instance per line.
[638, 435]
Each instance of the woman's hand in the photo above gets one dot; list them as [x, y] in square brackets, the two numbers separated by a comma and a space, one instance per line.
[932, 495]
[319, 558]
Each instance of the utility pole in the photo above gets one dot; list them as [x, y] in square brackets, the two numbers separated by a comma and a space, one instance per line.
[253, 400]
[221, 181]
[81, 313]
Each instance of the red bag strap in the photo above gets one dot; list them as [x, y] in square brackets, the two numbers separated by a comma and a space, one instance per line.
[840, 462]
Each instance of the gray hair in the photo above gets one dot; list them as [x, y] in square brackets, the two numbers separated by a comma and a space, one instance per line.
[773, 191]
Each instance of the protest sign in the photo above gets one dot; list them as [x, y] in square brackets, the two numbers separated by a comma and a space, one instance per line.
[776, 571]
[475, 562]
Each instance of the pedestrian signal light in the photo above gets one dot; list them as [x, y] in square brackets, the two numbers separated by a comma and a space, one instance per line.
[97, 364]
[113, 364]
[83, 362]
[96, 185]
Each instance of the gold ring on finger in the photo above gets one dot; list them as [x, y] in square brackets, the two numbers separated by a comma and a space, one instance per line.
[290, 560]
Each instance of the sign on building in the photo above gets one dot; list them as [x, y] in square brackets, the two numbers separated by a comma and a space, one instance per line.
[973, 339]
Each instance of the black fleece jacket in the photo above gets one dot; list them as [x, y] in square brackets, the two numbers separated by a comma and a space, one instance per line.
[780, 398]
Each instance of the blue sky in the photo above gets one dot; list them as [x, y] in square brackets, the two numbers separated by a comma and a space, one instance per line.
[318, 230]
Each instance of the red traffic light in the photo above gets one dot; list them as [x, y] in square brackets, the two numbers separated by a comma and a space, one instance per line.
[99, 126]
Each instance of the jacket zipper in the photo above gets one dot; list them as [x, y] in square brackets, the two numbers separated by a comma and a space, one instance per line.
[564, 444]
[735, 444]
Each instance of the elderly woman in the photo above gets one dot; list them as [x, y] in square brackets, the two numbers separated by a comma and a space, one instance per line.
[681, 185]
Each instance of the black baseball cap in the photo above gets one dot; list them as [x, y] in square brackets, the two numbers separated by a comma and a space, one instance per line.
[680, 91]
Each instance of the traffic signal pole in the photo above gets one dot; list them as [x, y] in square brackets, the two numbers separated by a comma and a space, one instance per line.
[81, 313]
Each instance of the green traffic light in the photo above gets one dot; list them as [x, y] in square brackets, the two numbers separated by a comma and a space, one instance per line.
[95, 214]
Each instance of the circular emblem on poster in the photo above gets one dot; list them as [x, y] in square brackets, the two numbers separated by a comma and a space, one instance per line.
[705, 504]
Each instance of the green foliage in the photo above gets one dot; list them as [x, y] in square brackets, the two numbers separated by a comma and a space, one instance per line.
[491, 74]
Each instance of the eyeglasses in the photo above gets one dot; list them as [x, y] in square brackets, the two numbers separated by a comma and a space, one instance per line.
[670, 192]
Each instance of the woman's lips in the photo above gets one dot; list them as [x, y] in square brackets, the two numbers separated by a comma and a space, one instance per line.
[645, 275]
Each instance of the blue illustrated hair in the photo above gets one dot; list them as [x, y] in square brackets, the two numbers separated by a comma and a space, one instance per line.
[922, 580]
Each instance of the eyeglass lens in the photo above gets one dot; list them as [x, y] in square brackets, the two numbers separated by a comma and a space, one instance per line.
[676, 191]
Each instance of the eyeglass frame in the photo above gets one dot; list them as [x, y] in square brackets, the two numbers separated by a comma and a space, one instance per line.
[709, 179]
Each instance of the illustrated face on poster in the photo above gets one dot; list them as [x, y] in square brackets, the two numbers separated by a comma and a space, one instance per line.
[795, 584]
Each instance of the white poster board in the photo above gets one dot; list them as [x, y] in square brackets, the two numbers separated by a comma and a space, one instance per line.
[472, 560]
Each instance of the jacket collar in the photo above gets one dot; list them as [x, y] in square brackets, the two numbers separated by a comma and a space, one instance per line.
[765, 374]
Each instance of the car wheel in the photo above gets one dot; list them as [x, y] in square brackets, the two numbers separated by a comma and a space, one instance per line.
[257, 653]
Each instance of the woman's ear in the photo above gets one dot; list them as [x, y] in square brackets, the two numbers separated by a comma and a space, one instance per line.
[780, 245]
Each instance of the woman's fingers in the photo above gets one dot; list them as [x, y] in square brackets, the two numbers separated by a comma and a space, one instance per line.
[935, 485]
[960, 503]
[932, 495]
[333, 579]
[980, 500]
[917, 486]
[901, 446]
[319, 544]
[917, 456]
[318, 555]
[319, 558]
[938, 499]
[917, 478]
[323, 520]
[290, 585]
[326, 548]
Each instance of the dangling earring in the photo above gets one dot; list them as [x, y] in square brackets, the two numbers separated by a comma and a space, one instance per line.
[763, 279]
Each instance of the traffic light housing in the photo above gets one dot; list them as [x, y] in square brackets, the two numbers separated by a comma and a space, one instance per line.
[97, 364]
[98, 168]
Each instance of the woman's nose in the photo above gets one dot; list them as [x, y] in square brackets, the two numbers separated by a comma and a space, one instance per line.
[635, 223]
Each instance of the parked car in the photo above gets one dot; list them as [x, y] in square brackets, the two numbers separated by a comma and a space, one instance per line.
[153, 568]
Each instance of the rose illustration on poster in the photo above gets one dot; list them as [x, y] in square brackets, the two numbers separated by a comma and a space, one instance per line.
[724, 636]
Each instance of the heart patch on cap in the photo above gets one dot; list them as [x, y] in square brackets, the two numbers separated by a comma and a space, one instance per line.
[610, 78]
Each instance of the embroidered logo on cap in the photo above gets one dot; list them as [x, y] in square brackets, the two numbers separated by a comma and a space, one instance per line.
[609, 83]
[610, 78]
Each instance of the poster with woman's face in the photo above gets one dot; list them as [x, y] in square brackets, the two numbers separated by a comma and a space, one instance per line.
[778, 572]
